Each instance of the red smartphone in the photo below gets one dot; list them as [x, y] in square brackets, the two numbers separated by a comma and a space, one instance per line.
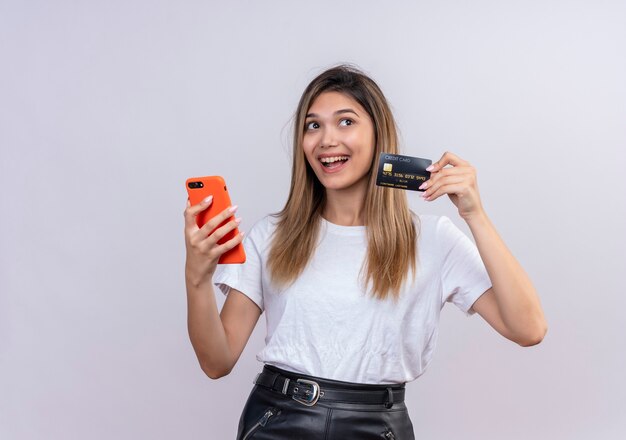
[200, 188]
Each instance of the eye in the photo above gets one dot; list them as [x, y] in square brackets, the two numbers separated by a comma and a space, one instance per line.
[311, 125]
[345, 122]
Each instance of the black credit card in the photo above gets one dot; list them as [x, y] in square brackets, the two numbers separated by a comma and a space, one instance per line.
[403, 172]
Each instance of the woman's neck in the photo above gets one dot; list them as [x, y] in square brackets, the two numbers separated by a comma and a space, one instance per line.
[345, 207]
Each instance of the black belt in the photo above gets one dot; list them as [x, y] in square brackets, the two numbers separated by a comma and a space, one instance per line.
[307, 390]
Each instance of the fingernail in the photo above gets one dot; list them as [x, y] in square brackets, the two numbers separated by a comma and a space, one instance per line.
[238, 220]
[423, 185]
[208, 199]
[233, 208]
[430, 168]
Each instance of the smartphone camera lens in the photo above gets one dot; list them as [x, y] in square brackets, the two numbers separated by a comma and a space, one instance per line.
[194, 185]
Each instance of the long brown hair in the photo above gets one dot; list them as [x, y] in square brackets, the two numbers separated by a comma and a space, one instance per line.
[391, 233]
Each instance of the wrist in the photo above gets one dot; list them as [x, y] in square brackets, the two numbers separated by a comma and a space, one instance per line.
[477, 218]
[196, 279]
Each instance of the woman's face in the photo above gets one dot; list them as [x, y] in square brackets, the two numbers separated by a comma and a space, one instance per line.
[338, 140]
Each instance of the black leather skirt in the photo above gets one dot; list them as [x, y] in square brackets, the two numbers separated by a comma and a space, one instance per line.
[288, 405]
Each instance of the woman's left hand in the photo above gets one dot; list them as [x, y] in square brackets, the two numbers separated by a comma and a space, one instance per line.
[459, 182]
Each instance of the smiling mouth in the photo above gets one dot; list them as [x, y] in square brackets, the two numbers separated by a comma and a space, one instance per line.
[333, 162]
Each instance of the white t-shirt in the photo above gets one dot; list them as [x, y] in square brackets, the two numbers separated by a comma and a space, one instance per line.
[326, 325]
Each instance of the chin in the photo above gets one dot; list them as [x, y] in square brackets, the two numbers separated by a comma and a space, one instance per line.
[340, 184]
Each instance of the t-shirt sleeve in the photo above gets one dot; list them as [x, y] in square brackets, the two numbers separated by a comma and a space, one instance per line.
[463, 276]
[246, 277]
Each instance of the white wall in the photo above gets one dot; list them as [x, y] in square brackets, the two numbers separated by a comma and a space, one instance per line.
[107, 107]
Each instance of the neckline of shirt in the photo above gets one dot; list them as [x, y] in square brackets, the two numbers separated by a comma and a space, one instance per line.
[343, 230]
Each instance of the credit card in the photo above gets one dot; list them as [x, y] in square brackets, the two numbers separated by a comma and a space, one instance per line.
[403, 172]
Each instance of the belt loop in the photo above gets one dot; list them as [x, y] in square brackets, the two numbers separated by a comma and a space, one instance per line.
[276, 375]
[286, 385]
[389, 402]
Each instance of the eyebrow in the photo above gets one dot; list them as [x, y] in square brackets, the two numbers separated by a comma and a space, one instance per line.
[338, 112]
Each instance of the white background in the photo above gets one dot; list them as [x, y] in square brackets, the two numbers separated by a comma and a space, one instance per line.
[107, 107]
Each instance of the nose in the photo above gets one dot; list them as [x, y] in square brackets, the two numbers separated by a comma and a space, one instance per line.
[328, 138]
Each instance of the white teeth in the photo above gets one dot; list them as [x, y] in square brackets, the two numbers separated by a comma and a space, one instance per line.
[333, 159]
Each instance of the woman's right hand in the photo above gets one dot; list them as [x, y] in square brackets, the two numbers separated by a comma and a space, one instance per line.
[203, 251]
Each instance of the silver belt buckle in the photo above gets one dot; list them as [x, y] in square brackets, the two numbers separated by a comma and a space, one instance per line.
[311, 398]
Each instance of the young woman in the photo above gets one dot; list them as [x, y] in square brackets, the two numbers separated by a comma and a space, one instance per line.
[351, 280]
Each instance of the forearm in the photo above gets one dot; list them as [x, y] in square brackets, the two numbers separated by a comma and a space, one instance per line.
[517, 299]
[206, 330]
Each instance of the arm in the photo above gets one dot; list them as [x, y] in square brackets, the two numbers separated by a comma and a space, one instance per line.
[206, 330]
[219, 339]
[511, 306]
